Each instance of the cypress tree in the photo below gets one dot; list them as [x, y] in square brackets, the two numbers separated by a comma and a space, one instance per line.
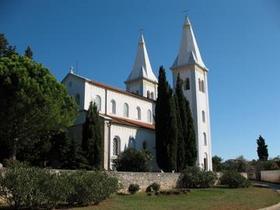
[181, 124]
[166, 125]
[28, 52]
[92, 137]
[190, 146]
[262, 149]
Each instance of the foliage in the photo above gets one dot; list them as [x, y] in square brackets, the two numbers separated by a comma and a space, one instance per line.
[186, 141]
[133, 160]
[262, 149]
[25, 187]
[91, 187]
[66, 153]
[92, 137]
[233, 179]
[194, 177]
[133, 188]
[166, 125]
[35, 103]
[29, 187]
[154, 187]
[5, 48]
[239, 164]
[28, 52]
[217, 163]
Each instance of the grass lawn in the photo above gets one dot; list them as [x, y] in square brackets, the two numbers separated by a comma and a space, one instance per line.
[214, 198]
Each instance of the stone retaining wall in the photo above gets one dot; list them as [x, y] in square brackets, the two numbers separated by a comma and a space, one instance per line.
[271, 176]
[144, 179]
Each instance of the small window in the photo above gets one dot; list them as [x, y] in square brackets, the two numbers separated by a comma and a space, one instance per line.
[205, 161]
[70, 84]
[116, 146]
[78, 98]
[148, 94]
[152, 95]
[138, 113]
[125, 110]
[202, 86]
[97, 102]
[203, 116]
[205, 139]
[149, 116]
[187, 84]
[113, 106]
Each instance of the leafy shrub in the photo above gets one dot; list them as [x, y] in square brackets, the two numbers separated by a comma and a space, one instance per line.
[133, 160]
[133, 188]
[29, 187]
[91, 187]
[194, 177]
[154, 187]
[234, 179]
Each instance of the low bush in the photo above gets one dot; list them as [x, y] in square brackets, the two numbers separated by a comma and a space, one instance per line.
[133, 160]
[234, 179]
[194, 177]
[31, 188]
[133, 188]
[91, 187]
[154, 187]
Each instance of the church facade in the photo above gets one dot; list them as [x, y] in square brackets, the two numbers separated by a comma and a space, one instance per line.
[128, 115]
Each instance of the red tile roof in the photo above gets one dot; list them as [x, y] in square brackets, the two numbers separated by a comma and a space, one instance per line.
[129, 122]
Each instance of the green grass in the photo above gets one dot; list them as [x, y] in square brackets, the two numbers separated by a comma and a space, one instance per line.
[210, 199]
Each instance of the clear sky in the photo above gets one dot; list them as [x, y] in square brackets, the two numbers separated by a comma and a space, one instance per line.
[239, 41]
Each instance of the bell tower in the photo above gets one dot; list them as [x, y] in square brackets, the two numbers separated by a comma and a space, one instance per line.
[141, 79]
[193, 72]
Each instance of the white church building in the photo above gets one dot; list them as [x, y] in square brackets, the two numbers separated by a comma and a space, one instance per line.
[128, 115]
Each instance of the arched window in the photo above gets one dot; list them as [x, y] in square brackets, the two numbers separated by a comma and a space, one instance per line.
[152, 95]
[116, 145]
[205, 161]
[113, 106]
[203, 116]
[202, 86]
[125, 110]
[138, 113]
[148, 94]
[132, 143]
[149, 116]
[97, 102]
[187, 84]
[205, 139]
[78, 98]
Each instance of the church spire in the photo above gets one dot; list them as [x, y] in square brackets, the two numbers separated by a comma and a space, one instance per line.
[142, 66]
[189, 52]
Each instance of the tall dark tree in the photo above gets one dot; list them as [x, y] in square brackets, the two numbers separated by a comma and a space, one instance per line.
[190, 146]
[166, 125]
[186, 129]
[92, 137]
[5, 48]
[262, 149]
[28, 52]
[181, 124]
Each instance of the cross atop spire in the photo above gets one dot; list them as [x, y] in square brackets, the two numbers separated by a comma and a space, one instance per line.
[189, 52]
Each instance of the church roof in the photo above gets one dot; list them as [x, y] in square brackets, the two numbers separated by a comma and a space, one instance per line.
[189, 52]
[108, 87]
[142, 66]
[129, 122]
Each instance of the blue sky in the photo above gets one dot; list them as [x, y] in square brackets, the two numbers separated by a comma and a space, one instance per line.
[239, 42]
